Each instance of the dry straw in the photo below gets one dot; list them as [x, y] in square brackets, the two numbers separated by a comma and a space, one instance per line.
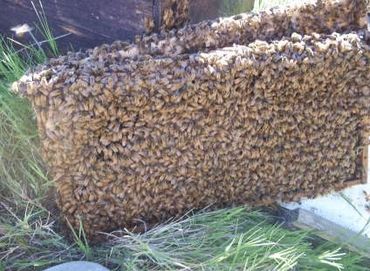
[179, 120]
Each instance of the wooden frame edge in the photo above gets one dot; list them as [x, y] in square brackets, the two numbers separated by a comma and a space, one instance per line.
[365, 157]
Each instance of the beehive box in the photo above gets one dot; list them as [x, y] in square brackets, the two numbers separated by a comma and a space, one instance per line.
[88, 23]
[250, 109]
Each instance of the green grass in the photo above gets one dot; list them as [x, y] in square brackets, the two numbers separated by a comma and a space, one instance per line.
[228, 239]
[31, 237]
[21, 169]
[264, 4]
[231, 7]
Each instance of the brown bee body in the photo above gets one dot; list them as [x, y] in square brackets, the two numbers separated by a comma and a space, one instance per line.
[239, 110]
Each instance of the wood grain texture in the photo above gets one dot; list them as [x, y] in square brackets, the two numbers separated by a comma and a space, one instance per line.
[328, 229]
[92, 22]
[365, 163]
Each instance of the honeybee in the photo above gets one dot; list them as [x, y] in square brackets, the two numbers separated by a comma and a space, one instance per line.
[178, 119]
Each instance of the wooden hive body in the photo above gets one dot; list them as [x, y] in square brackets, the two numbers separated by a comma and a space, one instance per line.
[184, 119]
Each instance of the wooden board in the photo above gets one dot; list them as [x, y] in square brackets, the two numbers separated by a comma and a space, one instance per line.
[93, 22]
[365, 161]
[327, 229]
[90, 22]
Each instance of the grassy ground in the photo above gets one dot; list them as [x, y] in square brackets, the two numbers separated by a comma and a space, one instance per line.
[32, 239]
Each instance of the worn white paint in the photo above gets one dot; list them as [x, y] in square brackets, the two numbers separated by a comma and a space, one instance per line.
[354, 216]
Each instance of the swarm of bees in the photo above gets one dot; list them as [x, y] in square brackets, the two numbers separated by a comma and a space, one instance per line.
[254, 109]
[175, 14]
[167, 15]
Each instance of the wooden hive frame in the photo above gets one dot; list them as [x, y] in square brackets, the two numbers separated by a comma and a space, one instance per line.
[113, 166]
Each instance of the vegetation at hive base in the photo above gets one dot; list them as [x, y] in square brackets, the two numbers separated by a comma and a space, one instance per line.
[229, 8]
[31, 237]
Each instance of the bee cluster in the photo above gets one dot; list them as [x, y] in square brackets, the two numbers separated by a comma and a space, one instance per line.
[175, 14]
[184, 119]
[167, 15]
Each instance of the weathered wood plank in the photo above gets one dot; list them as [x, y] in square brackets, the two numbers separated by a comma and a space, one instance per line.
[90, 22]
[328, 230]
[93, 22]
